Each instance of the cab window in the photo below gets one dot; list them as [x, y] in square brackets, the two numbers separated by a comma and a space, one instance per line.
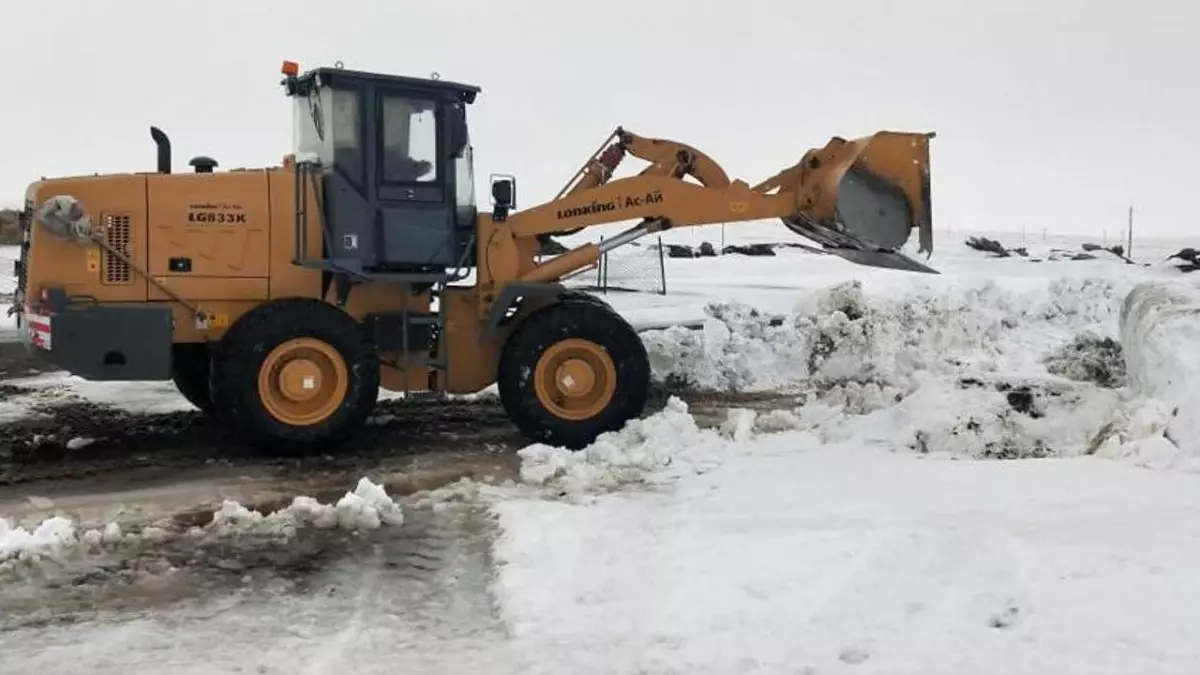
[409, 140]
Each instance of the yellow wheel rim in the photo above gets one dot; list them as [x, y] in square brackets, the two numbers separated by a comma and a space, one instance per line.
[575, 379]
[303, 381]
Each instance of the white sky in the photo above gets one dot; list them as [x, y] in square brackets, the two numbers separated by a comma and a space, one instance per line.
[1050, 114]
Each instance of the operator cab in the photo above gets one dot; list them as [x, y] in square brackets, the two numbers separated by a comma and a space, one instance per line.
[394, 157]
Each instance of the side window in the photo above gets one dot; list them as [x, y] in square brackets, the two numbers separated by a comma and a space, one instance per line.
[409, 140]
[347, 142]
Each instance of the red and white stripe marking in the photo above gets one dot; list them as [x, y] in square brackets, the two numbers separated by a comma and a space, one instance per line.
[38, 327]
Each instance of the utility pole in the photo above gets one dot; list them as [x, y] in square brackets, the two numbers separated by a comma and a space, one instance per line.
[1129, 237]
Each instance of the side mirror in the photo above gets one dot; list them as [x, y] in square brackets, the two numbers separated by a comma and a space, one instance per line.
[458, 131]
[504, 196]
[504, 189]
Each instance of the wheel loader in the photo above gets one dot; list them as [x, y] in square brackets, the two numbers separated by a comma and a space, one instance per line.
[280, 300]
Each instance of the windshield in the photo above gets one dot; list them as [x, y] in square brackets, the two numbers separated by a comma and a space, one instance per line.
[309, 122]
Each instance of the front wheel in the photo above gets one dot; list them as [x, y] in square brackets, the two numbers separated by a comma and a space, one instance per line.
[572, 371]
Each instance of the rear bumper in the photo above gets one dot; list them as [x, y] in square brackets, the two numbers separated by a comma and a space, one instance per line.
[101, 342]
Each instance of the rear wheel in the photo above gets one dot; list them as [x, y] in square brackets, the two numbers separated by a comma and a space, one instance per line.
[189, 372]
[295, 375]
[573, 371]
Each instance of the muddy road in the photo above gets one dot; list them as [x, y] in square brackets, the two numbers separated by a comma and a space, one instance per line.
[98, 461]
[414, 597]
[79, 439]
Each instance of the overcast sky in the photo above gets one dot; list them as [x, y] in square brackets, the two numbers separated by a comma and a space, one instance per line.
[1050, 114]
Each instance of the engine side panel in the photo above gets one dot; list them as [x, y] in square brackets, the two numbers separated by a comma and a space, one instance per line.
[210, 225]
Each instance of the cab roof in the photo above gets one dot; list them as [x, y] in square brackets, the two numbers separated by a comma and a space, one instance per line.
[340, 77]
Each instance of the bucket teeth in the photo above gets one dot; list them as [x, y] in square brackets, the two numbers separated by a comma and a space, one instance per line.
[855, 250]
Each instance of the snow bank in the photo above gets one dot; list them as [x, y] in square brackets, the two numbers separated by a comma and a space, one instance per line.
[973, 370]
[839, 334]
[1160, 334]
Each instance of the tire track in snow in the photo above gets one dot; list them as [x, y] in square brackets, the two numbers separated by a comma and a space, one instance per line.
[413, 598]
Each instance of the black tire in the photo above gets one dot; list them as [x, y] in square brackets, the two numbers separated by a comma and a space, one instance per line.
[575, 316]
[245, 348]
[190, 371]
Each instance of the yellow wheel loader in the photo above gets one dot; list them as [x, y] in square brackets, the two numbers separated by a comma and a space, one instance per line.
[281, 300]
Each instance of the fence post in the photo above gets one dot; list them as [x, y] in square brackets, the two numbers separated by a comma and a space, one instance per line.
[600, 270]
[662, 265]
[603, 270]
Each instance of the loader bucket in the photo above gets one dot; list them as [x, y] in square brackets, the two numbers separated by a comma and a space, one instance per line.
[862, 199]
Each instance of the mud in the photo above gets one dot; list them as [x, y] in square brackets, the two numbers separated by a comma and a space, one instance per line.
[82, 439]
[16, 361]
[79, 439]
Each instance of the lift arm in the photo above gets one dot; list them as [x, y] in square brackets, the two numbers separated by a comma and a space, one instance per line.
[859, 199]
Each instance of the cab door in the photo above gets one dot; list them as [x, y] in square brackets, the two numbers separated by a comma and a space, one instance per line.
[412, 177]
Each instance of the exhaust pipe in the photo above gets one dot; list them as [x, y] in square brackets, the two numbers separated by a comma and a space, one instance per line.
[164, 149]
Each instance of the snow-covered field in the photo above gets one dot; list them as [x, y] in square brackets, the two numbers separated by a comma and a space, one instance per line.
[991, 470]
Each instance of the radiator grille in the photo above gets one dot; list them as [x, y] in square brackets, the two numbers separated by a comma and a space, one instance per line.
[117, 232]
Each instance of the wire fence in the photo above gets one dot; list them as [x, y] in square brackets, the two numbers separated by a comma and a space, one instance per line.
[634, 268]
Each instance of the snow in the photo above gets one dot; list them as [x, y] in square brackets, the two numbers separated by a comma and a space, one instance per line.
[792, 557]
[991, 470]
[838, 532]
[136, 397]
[50, 537]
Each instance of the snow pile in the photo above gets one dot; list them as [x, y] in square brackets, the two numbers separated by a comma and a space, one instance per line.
[1160, 331]
[657, 448]
[838, 334]
[49, 539]
[368, 507]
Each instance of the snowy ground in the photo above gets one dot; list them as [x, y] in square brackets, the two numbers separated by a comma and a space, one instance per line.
[990, 471]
